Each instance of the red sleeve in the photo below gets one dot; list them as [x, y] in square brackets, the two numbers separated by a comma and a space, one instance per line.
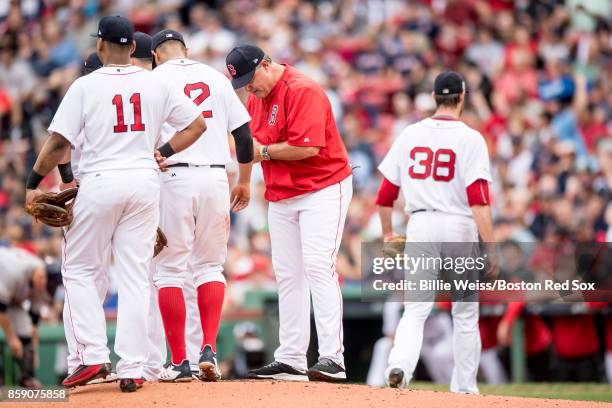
[387, 193]
[513, 311]
[307, 112]
[478, 193]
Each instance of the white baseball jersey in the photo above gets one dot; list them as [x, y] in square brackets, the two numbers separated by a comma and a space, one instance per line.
[214, 96]
[122, 120]
[433, 161]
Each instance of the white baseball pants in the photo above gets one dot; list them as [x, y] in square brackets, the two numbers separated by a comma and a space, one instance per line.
[195, 218]
[119, 209]
[436, 227]
[305, 234]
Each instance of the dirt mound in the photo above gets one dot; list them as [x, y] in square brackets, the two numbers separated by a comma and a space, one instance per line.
[272, 394]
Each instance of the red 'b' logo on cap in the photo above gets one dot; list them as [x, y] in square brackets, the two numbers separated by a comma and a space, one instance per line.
[231, 69]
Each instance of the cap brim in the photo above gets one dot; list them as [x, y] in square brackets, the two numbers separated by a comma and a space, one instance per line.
[95, 35]
[242, 81]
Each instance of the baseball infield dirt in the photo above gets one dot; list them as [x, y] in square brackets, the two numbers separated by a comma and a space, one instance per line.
[272, 394]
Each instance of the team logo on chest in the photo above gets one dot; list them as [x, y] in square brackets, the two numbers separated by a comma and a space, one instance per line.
[273, 115]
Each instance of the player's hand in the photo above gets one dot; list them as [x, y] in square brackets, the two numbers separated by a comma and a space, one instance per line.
[31, 195]
[161, 161]
[65, 186]
[492, 261]
[504, 334]
[15, 346]
[257, 152]
[240, 197]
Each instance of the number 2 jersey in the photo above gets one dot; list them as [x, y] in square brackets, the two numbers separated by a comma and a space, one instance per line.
[116, 115]
[216, 99]
[434, 161]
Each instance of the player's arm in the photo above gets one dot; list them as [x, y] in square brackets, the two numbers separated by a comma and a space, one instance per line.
[241, 192]
[480, 204]
[66, 125]
[12, 340]
[55, 148]
[387, 194]
[284, 151]
[180, 113]
[183, 139]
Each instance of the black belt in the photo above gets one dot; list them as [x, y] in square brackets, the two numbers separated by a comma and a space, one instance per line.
[421, 210]
[212, 166]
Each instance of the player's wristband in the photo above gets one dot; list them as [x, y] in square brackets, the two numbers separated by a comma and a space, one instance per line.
[166, 150]
[34, 180]
[65, 171]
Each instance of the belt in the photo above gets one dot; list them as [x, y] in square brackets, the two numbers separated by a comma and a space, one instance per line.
[421, 210]
[212, 166]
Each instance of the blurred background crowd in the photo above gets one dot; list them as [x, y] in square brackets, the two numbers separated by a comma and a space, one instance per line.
[540, 91]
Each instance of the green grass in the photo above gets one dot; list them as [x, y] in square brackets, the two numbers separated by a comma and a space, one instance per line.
[568, 391]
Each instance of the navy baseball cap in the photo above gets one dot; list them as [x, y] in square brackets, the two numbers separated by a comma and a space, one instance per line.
[166, 35]
[143, 46]
[92, 63]
[449, 83]
[115, 29]
[241, 63]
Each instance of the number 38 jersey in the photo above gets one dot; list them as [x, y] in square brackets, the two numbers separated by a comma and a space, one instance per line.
[120, 112]
[216, 99]
[433, 161]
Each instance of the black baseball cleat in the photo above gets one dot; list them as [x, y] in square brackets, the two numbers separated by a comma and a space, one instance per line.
[130, 384]
[326, 370]
[209, 369]
[396, 378]
[278, 371]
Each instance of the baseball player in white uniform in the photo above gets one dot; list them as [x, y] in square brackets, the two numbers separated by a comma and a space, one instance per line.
[442, 167]
[120, 108]
[22, 277]
[69, 172]
[195, 205]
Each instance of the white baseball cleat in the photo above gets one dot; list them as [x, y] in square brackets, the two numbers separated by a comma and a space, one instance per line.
[176, 372]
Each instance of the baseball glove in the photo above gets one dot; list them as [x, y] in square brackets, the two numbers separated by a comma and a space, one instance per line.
[393, 246]
[53, 209]
[160, 242]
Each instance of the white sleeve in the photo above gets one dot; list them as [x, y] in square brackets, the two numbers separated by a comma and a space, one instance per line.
[477, 164]
[68, 120]
[180, 110]
[237, 115]
[390, 167]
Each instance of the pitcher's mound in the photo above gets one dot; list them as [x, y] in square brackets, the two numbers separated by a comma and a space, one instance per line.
[272, 394]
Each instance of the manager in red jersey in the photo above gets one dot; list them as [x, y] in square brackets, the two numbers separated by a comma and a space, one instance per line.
[309, 186]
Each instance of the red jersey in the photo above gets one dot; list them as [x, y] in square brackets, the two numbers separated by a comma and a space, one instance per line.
[298, 112]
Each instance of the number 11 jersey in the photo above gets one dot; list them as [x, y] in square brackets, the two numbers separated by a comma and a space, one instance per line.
[216, 99]
[433, 161]
[120, 111]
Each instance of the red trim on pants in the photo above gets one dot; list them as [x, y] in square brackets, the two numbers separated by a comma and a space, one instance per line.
[79, 354]
[334, 274]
